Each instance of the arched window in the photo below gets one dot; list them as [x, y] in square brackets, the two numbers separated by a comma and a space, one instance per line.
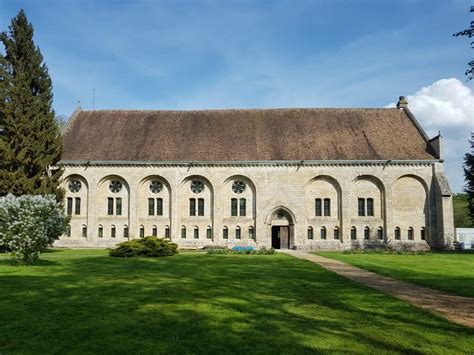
[69, 206]
[100, 232]
[159, 207]
[397, 233]
[361, 206]
[366, 233]
[422, 233]
[200, 207]
[110, 206]
[380, 233]
[154, 231]
[225, 233]
[233, 207]
[209, 232]
[167, 232]
[327, 207]
[237, 233]
[68, 230]
[113, 231]
[243, 206]
[323, 233]
[370, 207]
[196, 232]
[310, 233]
[192, 206]
[410, 233]
[353, 233]
[84, 231]
[118, 206]
[318, 207]
[77, 207]
[151, 206]
[125, 232]
[183, 232]
[336, 233]
[251, 234]
[142, 232]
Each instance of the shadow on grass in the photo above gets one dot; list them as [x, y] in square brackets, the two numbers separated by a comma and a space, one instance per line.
[209, 304]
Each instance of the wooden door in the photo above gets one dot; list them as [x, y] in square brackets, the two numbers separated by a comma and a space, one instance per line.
[284, 238]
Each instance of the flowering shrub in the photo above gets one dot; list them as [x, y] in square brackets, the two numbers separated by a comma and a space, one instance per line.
[30, 224]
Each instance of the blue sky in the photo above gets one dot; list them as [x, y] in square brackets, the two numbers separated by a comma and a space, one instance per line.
[241, 54]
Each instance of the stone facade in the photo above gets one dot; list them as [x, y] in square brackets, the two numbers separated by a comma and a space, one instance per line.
[404, 203]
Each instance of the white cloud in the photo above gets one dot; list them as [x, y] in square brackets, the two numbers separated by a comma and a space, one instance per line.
[447, 105]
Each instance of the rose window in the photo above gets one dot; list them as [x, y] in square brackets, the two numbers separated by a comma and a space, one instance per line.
[197, 186]
[238, 187]
[156, 186]
[115, 186]
[75, 186]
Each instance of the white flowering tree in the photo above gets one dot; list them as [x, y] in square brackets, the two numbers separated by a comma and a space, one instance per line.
[30, 224]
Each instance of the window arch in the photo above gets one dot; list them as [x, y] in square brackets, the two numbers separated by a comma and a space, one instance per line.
[84, 231]
[167, 232]
[367, 233]
[154, 231]
[423, 233]
[336, 233]
[183, 232]
[125, 231]
[310, 233]
[113, 231]
[142, 232]
[100, 231]
[251, 233]
[323, 233]
[397, 233]
[196, 232]
[380, 233]
[225, 233]
[353, 233]
[238, 233]
[209, 232]
[410, 233]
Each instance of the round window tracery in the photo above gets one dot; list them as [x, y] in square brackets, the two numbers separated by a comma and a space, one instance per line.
[75, 186]
[156, 186]
[238, 187]
[115, 186]
[197, 186]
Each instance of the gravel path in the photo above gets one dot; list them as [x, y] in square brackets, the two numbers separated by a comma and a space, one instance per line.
[455, 308]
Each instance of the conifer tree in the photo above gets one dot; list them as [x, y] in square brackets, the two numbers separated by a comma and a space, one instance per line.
[30, 141]
[469, 177]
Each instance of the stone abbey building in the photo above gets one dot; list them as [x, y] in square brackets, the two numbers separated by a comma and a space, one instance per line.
[287, 178]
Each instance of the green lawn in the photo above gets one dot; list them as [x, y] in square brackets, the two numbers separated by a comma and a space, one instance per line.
[448, 272]
[82, 301]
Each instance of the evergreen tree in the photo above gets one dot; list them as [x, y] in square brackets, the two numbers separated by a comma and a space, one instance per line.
[30, 141]
[469, 177]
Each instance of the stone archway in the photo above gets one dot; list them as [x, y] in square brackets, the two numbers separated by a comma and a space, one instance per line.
[281, 228]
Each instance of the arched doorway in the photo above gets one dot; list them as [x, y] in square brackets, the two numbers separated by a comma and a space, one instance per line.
[281, 228]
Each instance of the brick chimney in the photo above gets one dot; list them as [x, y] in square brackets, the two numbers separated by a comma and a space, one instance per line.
[402, 102]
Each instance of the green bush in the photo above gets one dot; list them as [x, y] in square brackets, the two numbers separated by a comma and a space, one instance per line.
[148, 246]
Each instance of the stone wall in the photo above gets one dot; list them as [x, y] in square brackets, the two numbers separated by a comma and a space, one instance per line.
[404, 196]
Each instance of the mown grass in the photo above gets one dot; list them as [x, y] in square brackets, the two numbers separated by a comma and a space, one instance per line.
[449, 272]
[82, 301]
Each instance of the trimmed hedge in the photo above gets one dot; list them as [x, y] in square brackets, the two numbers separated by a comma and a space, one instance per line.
[148, 246]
